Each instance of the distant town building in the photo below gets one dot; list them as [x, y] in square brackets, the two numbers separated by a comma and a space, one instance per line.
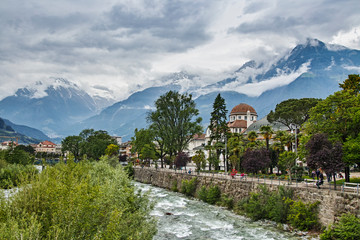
[198, 142]
[46, 147]
[125, 149]
[117, 139]
[241, 117]
[7, 144]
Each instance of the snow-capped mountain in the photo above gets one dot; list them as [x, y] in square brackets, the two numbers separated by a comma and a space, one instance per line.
[50, 107]
[313, 69]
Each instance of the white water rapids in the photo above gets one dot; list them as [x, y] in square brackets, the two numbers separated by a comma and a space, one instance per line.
[193, 219]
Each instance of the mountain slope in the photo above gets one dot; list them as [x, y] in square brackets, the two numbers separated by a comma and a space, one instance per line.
[313, 69]
[28, 131]
[52, 110]
[7, 133]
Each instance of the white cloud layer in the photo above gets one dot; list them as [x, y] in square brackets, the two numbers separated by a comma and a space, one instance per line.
[127, 45]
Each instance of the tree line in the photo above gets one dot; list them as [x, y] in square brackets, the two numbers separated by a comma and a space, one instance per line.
[327, 134]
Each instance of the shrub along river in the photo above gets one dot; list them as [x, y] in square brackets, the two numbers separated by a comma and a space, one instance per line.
[183, 218]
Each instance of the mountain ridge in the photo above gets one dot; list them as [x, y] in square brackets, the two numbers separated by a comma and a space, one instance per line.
[312, 69]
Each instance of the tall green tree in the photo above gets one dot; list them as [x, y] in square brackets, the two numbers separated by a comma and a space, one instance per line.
[73, 145]
[292, 111]
[218, 124]
[322, 153]
[174, 121]
[352, 84]
[236, 145]
[141, 138]
[94, 143]
[148, 153]
[339, 117]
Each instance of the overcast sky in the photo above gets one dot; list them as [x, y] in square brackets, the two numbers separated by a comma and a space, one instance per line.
[123, 45]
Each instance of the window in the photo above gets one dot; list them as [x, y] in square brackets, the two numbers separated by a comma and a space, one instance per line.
[252, 118]
[239, 117]
[245, 117]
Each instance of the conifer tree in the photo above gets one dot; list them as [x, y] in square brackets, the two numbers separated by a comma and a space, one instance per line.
[218, 123]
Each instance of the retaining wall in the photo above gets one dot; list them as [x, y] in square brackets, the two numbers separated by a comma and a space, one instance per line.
[332, 203]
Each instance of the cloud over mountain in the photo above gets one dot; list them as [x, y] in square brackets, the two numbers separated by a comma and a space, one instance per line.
[126, 45]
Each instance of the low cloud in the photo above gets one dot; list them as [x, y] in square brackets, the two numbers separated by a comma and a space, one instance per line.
[128, 45]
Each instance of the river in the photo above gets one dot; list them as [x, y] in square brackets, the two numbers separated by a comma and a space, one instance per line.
[193, 219]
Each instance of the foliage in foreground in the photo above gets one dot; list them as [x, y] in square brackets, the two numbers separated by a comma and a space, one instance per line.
[348, 228]
[12, 174]
[77, 201]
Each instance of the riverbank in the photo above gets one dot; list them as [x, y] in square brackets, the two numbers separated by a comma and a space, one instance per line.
[332, 203]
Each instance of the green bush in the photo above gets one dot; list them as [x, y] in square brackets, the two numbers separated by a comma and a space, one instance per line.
[174, 186]
[348, 228]
[77, 201]
[254, 207]
[277, 206]
[303, 216]
[226, 201]
[129, 169]
[3, 163]
[209, 195]
[213, 194]
[188, 187]
[202, 194]
[266, 204]
[12, 174]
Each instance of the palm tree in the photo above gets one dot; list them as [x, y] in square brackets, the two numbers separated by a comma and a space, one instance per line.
[267, 133]
[252, 136]
[236, 147]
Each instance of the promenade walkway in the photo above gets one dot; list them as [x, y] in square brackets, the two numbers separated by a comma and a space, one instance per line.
[308, 183]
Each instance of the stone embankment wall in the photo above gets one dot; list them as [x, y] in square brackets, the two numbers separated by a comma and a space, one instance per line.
[332, 203]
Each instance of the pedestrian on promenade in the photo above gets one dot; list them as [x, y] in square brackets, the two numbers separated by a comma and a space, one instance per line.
[313, 174]
[317, 174]
[321, 179]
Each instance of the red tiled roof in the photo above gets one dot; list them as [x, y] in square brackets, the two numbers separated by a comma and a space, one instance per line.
[238, 124]
[197, 136]
[243, 108]
[47, 143]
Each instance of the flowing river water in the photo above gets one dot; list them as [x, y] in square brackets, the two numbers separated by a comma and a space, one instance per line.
[183, 218]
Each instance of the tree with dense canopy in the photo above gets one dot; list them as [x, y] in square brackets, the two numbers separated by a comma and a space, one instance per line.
[292, 111]
[181, 160]
[322, 153]
[140, 139]
[112, 150]
[339, 117]
[256, 160]
[89, 142]
[173, 121]
[73, 145]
